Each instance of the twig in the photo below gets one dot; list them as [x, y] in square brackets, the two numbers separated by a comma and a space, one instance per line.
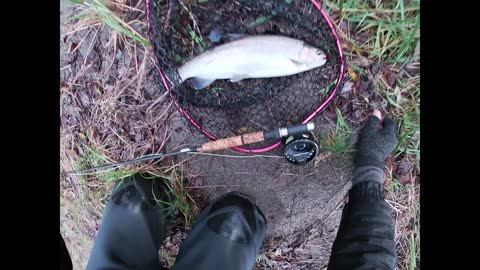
[90, 47]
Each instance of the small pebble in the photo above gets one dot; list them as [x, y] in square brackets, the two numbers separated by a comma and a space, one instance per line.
[214, 36]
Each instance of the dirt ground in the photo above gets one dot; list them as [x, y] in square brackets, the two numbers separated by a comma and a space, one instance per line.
[302, 203]
[109, 97]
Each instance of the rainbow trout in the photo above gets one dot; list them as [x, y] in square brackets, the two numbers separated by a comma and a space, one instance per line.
[263, 56]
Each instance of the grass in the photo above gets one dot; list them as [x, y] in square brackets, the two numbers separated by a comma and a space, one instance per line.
[338, 142]
[99, 11]
[94, 157]
[329, 86]
[166, 257]
[82, 201]
[259, 21]
[391, 28]
[386, 34]
[264, 260]
[196, 38]
[195, 33]
[404, 201]
[83, 198]
[120, 121]
[404, 104]
[182, 202]
[174, 178]
[95, 188]
[406, 110]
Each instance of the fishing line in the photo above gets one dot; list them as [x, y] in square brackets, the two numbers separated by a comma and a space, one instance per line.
[166, 50]
[213, 146]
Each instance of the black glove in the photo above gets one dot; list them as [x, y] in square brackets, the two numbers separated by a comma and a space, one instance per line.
[366, 236]
[375, 143]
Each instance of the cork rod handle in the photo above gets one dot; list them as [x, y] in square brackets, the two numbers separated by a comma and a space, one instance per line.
[226, 143]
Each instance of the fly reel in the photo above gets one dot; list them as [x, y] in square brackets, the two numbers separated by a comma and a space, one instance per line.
[300, 148]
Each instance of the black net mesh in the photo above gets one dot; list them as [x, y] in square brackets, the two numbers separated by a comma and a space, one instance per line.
[180, 30]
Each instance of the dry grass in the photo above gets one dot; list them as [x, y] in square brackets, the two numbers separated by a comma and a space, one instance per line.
[108, 13]
[110, 110]
[381, 41]
[404, 201]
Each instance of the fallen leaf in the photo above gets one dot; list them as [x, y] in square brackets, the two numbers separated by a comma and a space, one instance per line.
[344, 26]
[81, 135]
[347, 88]
[362, 86]
[195, 182]
[417, 180]
[406, 179]
[403, 168]
[73, 46]
[360, 61]
[387, 182]
[356, 49]
[390, 78]
[138, 136]
[352, 74]
[363, 37]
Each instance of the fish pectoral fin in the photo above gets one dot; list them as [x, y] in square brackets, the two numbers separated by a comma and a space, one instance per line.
[296, 62]
[238, 77]
[200, 83]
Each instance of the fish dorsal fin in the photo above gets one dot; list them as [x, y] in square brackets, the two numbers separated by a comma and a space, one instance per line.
[200, 83]
[238, 77]
[236, 36]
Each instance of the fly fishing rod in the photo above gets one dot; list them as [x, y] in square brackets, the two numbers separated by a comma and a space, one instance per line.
[299, 146]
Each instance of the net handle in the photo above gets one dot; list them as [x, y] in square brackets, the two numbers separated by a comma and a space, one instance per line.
[313, 114]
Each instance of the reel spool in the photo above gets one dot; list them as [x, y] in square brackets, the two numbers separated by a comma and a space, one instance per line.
[300, 148]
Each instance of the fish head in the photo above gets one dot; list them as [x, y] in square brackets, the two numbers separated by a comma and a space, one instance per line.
[312, 57]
